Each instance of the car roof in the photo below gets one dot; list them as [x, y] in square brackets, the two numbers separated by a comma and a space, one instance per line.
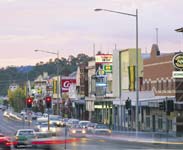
[25, 130]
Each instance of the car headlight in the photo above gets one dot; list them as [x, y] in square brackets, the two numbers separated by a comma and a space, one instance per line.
[43, 129]
[53, 129]
[73, 131]
[83, 131]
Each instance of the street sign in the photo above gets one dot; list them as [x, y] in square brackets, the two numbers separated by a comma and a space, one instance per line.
[177, 74]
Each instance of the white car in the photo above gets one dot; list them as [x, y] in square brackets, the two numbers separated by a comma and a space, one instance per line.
[71, 122]
[44, 128]
[84, 123]
[54, 119]
[101, 129]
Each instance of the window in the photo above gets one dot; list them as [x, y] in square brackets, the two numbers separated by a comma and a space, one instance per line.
[170, 125]
[148, 122]
[162, 88]
[149, 85]
[160, 123]
[157, 85]
[167, 87]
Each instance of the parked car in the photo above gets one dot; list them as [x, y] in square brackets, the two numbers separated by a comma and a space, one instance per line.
[101, 129]
[77, 130]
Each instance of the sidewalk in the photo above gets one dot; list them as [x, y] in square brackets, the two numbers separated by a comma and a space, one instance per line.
[146, 137]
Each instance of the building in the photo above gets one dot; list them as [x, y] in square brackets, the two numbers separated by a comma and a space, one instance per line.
[158, 77]
[124, 62]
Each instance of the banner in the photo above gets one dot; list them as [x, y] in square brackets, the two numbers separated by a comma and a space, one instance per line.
[66, 84]
[54, 86]
[131, 72]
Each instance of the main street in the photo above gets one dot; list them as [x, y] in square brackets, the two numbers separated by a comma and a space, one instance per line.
[90, 142]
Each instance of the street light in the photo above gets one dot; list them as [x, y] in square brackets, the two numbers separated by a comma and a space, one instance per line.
[136, 73]
[56, 53]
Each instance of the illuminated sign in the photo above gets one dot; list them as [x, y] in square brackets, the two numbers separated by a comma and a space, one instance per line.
[103, 58]
[178, 61]
[177, 74]
[107, 68]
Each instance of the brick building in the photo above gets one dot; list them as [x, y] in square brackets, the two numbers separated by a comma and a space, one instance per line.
[158, 69]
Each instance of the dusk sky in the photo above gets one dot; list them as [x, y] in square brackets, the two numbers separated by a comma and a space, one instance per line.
[72, 27]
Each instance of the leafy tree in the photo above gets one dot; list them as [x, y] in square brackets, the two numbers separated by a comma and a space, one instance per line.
[17, 99]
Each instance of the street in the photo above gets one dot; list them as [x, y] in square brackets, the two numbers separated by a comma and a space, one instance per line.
[90, 142]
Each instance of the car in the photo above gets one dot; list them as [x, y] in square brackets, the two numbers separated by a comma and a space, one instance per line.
[63, 122]
[84, 123]
[22, 137]
[101, 129]
[90, 126]
[5, 142]
[71, 122]
[44, 128]
[37, 126]
[77, 130]
[54, 119]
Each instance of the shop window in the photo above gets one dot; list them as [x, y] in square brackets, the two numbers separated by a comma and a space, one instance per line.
[160, 123]
[170, 125]
[148, 122]
[147, 111]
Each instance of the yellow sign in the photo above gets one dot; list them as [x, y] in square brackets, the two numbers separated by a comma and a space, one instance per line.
[178, 61]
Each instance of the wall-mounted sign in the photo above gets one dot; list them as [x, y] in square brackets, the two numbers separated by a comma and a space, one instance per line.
[103, 58]
[178, 61]
[66, 83]
[107, 68]
[177, 74]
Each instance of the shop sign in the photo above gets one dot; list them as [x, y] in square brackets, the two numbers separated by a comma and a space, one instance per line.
[178, 61]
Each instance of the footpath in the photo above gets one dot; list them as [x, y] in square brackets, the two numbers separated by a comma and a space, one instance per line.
[146, 137]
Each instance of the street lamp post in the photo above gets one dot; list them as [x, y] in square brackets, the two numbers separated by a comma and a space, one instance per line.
[136, 72]
[56, 53]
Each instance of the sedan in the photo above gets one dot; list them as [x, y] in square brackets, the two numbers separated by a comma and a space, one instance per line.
[101, 129]
[77, 131]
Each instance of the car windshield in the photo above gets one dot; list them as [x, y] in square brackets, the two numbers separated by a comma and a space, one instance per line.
[101, 127]
[26, 133]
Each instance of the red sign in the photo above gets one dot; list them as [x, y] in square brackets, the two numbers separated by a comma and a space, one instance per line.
[66, 84]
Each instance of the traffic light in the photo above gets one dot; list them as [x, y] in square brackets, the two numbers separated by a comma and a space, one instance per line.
[48, 101]
[29, 101]
[128, 104]
[162, 105]
[170, 106]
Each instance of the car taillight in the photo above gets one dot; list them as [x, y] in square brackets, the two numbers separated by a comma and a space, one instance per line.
[16, 138]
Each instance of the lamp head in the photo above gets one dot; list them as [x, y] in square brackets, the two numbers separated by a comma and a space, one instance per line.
[98, 9]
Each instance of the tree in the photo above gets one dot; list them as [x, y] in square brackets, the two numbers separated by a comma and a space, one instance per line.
[17, 99]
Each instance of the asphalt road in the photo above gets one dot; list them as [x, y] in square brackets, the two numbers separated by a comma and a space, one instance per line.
[91, 142]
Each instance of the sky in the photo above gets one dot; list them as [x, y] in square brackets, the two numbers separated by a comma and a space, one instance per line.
[71, 27]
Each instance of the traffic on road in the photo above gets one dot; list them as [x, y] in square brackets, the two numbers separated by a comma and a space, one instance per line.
[20, 133]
